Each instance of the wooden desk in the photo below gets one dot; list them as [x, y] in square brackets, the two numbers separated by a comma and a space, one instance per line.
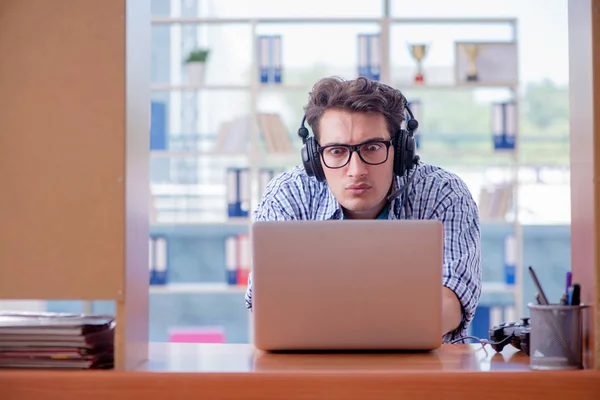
[204, 371]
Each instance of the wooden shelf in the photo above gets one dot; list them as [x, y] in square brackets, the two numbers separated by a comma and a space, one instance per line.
[216, 87]
[497, 288]
[327, 20]
[196, 288]
[201, 229]
[187, 87]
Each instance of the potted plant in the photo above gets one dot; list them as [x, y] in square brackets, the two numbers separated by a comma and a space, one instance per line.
[195, 66]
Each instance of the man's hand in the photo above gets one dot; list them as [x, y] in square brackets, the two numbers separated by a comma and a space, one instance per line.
[451, 310]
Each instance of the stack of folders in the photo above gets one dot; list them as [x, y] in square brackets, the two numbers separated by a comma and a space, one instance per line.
[237, 258]
[238, 189]
[56, 340]
[369, 62]
[270, 60]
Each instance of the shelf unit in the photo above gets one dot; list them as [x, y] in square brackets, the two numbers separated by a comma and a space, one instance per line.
[254, 159]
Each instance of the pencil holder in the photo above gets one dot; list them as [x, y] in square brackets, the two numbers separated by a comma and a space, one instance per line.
[556, 338]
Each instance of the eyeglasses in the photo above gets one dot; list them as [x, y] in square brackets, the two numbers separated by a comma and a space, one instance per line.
[372, 152]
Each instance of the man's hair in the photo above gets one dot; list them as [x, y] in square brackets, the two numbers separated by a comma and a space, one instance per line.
[358, 95]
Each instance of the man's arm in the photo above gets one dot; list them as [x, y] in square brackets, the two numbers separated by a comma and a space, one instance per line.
[451, 310]
[462, 258]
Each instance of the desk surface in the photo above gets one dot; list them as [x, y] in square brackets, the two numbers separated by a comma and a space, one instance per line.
[238, 371]
[180, 357]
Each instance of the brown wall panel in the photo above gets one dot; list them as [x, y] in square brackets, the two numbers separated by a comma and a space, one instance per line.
[584, 57]
[62, 148]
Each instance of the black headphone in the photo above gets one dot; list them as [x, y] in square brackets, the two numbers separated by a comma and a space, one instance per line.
[403, 142]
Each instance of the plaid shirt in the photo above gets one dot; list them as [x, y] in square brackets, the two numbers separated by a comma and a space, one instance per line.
[433, 194]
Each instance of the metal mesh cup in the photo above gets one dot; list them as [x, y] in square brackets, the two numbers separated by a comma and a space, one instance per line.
[556, 338]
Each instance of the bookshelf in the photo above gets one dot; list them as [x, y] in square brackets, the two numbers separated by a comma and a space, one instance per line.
[260, 97]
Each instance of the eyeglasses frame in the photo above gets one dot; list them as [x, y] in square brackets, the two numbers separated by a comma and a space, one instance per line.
[355, 148]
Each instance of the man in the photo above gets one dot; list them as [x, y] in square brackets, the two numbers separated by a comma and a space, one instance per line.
[355, 126]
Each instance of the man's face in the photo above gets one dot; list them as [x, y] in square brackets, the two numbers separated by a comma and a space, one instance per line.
[360, 188]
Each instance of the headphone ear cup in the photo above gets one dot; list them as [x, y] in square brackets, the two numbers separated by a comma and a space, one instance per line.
[311, 160]
[410, 150]
[399, 146]
[404, 153]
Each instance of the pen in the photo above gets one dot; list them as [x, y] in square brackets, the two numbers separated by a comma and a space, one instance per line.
[576, 298]
[542, 296]
[569, 277]
[570, 296]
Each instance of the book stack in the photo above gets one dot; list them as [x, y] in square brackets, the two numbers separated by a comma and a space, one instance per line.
[56, 340]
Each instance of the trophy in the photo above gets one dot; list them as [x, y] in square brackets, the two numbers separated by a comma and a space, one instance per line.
[418, 52]
[471, 51]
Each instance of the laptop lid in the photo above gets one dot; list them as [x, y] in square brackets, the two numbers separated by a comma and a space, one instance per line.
[347, 285]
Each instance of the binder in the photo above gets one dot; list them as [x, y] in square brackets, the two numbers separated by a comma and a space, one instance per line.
[363, 55]
[510, 259]
[243, 253]
[369, 60]
[504, 125]
[270, 58]
[158, 126]
[232, 192]
[374, 61]
[263, 58]
[238, 192]
[231, 260]
[276, 57]
[243, 185]
[161, 261]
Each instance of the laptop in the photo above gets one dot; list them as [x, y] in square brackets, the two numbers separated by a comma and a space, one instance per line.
[347, 285]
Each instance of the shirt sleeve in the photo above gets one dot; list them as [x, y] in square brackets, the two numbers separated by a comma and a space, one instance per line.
[270, 208]
[462, 251]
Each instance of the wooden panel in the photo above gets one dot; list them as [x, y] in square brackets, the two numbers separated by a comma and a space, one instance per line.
[74, 151]
[584, 56]
[62, 148]
[235, 372]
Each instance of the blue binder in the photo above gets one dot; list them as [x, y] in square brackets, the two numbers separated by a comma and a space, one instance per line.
[158, 126]
[159, 272]
[233, 198]
[510, 267]
[504, 125]
[238, 192]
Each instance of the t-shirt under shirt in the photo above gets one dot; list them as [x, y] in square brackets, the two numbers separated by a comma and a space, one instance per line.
[384, 214]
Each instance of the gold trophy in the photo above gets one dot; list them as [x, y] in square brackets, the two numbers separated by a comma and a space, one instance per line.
[471, 50]
[418, 52]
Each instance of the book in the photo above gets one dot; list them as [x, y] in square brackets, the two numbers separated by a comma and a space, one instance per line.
[56, 340]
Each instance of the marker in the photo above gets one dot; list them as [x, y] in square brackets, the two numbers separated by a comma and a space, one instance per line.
[576, 299]
[569, 277]
[570, 296]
